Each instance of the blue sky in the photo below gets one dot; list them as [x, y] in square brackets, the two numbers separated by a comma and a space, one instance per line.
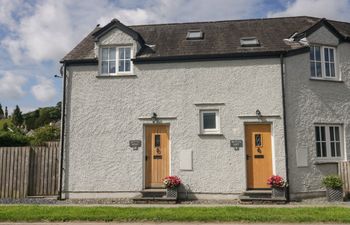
[36, 34]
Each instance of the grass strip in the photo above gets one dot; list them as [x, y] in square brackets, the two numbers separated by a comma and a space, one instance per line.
[33, 213]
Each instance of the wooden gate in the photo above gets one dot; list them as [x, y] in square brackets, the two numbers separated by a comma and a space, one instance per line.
[344, 173]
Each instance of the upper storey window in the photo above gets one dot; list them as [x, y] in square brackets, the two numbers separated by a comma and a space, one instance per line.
[116, 60]
[322, 62]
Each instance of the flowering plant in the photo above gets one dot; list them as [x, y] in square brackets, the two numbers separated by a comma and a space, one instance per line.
[276, 181]
[171, 181]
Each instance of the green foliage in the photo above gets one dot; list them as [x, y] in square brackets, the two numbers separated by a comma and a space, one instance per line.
[44, 134]
[2, 115]
[332, 181]
[17, 118]
[280, 215]
[12, 139]
[5, 126]
[42, 117]
[6, 113]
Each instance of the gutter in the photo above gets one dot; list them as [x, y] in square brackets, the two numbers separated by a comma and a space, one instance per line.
[63, 116]
[285, 125]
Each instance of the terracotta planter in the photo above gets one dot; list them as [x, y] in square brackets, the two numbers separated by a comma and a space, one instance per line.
[334, 194]
[171, 193]
[278, 192]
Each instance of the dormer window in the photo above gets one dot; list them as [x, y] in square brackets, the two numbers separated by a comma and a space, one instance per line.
[322, 62]
[194, 35]
[115, 60]
[249, 42]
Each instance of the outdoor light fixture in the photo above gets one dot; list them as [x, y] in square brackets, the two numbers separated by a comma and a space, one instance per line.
[258, 113]
[154, 117]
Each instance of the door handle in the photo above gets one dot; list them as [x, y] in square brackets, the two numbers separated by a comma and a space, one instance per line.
[247, 157]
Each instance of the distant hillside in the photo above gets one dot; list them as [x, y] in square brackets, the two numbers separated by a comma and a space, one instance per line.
[42, 117]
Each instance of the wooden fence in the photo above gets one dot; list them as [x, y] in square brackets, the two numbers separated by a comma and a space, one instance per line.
[344, 173]
[29, 171]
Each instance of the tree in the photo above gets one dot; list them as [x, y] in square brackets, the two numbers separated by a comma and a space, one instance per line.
[5, 126]
[2, 115]
[17, 118]
[6, 113]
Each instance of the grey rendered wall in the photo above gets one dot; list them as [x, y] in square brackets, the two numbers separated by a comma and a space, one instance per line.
[309, 102]
[106, 112]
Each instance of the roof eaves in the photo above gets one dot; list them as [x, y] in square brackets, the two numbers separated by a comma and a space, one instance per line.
[80, 62]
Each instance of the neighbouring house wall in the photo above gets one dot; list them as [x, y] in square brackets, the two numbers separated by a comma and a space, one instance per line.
[309, 102]
[104, 114]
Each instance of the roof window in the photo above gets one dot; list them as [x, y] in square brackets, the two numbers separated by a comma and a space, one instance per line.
[194, 34]
[249, 42]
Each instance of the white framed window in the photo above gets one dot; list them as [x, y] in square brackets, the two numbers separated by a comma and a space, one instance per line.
[328, 141]
[115, 60]
[323, 62]
[209, 122]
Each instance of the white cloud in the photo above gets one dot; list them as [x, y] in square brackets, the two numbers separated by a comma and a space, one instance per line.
[11, 86]
[44, 91]
[337, 10]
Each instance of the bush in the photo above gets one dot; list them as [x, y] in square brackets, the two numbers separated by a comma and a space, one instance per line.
[332, 181]
[8, 139]
[44, 134]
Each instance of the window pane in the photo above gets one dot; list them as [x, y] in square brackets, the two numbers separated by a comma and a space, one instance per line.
[326, 58]
[323, 134]
[337, 136]
[332, 70]
[317, 130]
[127, 53]
[112, 54]
[332, 149]
[258, 142]
[121, 53]
[331, 54]
[121, 66]
[312, 53]
[327, 70]
[338, 148]
[312, 67]
[331, 133]
[112, 67]
[318, 53]
[318, 70]
[104, 67]
[324, 149]
[127, 65]
[318, 149]
[104, 53]
[209, 120]
[157, 140]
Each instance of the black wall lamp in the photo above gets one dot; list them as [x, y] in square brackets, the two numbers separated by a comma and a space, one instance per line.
[258, 114]
[154, 117]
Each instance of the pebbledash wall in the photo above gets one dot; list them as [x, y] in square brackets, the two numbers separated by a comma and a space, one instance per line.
[105, 113]
[309, 102]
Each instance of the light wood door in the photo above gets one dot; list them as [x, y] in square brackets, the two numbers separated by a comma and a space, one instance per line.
[258, 155]
[157, 155]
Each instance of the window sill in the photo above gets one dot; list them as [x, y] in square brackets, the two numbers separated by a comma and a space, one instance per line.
[118, 76]
[330, 161]
[327, 80]
[214, 134]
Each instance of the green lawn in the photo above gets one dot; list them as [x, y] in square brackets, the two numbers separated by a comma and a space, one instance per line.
[225, 214]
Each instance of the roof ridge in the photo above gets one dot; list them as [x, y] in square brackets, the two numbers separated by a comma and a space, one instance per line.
[223, 21]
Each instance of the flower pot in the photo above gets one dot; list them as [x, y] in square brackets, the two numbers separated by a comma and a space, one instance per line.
[334, 194]
[171, 193]
[278, 192]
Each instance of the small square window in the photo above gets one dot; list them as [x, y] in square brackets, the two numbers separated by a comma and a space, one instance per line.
[328, 141]
[249, 42]
[115, 60]
[210, 123]
[194, 34]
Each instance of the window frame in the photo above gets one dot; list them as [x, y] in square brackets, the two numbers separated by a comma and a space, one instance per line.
[328, 141]
[323, 63]
[217, 129]
[117, 59]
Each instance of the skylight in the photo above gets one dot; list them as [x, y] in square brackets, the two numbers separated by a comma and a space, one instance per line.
[249, 42]
[194, 34]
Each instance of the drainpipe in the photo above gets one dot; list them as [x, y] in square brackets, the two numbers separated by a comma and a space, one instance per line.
[63, 116]
[284, 123]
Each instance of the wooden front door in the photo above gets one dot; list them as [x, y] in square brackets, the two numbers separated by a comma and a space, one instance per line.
[258, 155]
[157, 155]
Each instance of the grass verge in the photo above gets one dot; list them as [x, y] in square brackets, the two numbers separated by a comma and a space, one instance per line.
[32, 213]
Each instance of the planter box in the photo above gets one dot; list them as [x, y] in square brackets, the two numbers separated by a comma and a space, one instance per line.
[334, 195]
[171, 193]
[278, 192]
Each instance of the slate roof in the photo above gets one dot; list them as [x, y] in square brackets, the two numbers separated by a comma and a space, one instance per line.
[221, 38]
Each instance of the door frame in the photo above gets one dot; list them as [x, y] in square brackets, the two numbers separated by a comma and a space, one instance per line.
[144, 150]
[273, 164]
